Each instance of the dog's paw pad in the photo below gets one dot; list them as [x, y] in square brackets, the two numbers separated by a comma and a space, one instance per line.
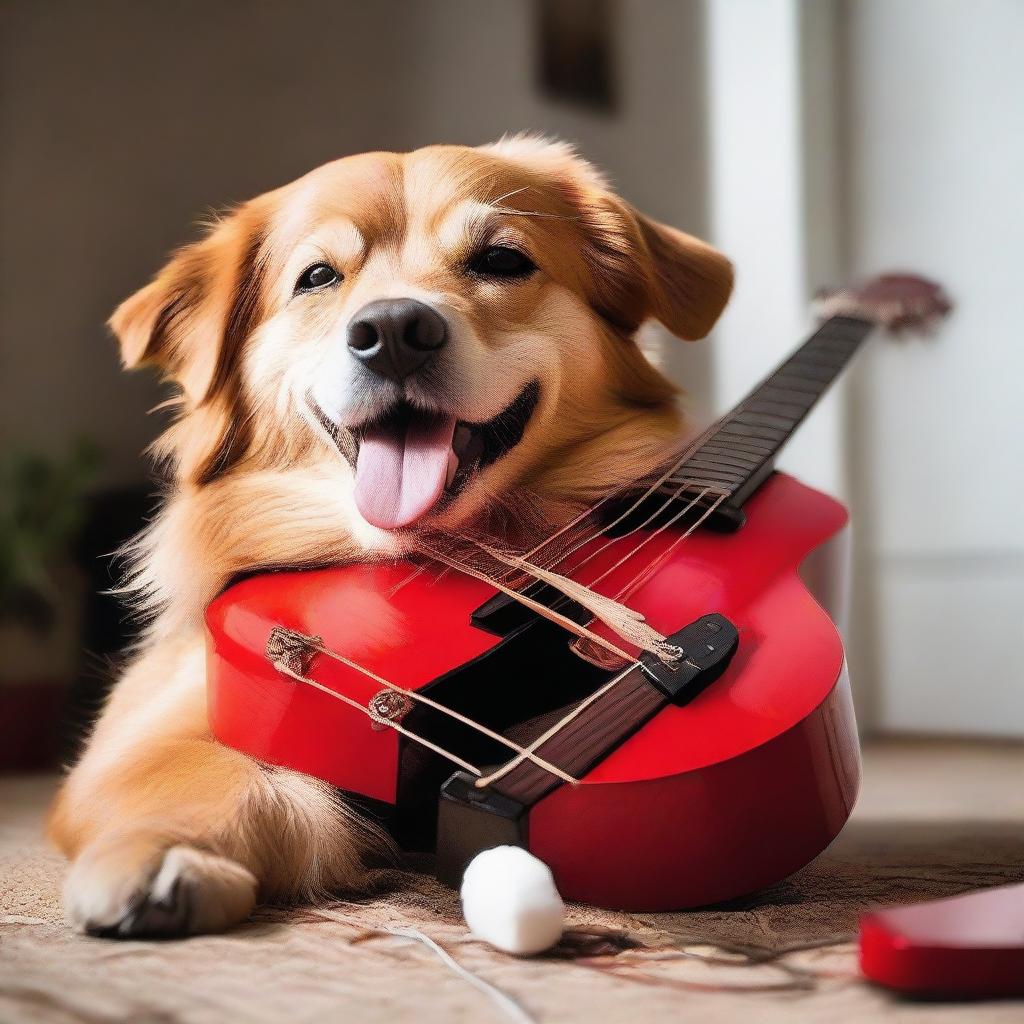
[185, 891]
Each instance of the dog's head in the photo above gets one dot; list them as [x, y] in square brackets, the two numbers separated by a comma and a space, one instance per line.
[457, 322]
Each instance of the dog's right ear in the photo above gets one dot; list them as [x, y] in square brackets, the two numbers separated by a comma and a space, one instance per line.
[638, 269]
[196, 310]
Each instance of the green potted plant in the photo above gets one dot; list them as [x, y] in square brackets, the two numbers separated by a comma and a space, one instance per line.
[42, 507]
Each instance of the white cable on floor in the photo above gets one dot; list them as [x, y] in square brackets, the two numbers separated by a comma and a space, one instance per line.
[500, 999]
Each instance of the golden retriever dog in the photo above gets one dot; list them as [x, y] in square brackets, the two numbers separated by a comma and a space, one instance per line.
[392, 343]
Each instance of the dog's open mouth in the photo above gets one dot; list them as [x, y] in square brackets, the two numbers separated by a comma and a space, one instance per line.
[408, 459]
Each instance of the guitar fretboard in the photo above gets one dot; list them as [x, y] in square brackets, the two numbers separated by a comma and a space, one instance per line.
[739, 452]
[578, 746]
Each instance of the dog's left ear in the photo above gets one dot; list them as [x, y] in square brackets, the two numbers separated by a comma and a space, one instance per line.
[643, 269]
[190, 320]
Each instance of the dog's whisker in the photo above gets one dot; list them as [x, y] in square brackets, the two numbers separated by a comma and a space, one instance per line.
[507, 212]
[508, 195]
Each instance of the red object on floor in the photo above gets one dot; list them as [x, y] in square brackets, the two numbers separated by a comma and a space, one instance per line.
[29, 716]
[966, 947]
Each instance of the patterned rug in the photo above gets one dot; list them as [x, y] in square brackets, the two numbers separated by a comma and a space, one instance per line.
[404, 953]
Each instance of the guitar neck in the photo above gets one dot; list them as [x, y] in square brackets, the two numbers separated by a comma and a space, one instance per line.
[738, 453]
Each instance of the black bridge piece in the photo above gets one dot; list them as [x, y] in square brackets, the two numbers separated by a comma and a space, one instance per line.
[707, 646]
[502, 615]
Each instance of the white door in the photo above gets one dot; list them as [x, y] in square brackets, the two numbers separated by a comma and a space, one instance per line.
[935, 144]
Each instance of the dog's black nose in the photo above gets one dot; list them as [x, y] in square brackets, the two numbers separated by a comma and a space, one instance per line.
[395, 337]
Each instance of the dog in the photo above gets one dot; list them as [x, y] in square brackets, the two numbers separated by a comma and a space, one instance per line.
[392, 343]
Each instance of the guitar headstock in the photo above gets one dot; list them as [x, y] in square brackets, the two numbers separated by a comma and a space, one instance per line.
[897, 303]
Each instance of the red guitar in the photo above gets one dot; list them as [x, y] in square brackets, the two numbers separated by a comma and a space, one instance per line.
[700, 753]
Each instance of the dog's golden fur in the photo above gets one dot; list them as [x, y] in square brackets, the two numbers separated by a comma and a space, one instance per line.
[169, 831]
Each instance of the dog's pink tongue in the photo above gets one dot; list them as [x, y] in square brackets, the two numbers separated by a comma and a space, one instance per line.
[400, 475]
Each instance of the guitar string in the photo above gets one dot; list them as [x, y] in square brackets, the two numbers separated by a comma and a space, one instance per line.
[523, 565]
[650, 518]
[641, 578]
[570, 550]
[531, 569]
[536, 606]
[575, 568]
[630, 587]
[688, 449]
[578, 646]
[637, 580]
[644, 573]
[572, 715]
[614, 705]
[632, 551]
[522, 754]
[654, 533]
[285, 670]
[598, 530]
[429, 702]
[486, 780]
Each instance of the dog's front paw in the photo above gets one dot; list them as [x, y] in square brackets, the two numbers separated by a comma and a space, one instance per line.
[127, 889]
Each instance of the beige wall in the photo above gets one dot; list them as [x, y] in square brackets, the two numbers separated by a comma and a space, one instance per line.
[123, 122]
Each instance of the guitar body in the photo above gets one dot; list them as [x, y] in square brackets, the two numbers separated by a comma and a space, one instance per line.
[702, 803]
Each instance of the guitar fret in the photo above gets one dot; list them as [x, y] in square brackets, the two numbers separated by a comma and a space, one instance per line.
[811, 373]
[764, 433]
[823, 365]
[824, 350]
[738, 450]
[798, 385]
[815, 369]
[743, 444]
[742, 468]
[763, 419]
[725, 473]
[751, 444]
[849, 342]
[733, 459]
[717, 460]
[702, 477]
[791, 410]
[776, 392]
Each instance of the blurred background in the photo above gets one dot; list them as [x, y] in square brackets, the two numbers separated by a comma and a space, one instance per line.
[814, 142]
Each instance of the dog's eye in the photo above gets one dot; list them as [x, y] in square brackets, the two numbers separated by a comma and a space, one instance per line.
[320, 275]
[503, 261]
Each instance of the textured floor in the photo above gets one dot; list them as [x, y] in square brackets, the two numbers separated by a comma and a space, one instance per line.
[934, 819]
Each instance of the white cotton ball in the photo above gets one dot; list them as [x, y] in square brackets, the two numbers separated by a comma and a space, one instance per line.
[509, 899]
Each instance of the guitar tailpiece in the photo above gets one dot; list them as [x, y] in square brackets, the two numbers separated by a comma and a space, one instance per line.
[388, 706]
[291, 649]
